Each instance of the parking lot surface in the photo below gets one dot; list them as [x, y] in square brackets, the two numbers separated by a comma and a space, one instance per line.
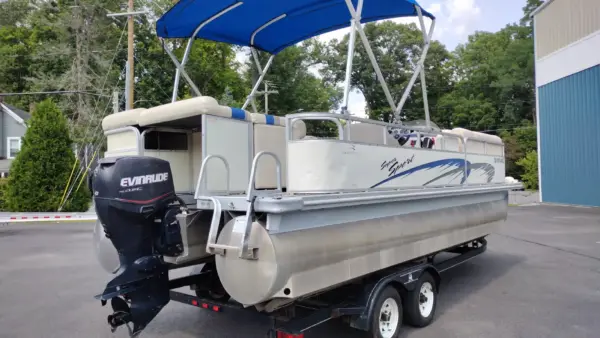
[540, 277]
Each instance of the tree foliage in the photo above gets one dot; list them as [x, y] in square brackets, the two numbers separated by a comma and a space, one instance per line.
[42, 167]
[485, 84]
[298, 87]
[530, 168]
[397, 48]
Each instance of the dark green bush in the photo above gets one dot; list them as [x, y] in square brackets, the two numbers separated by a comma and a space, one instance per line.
[529, 163]
[3, 185]
[40, 172]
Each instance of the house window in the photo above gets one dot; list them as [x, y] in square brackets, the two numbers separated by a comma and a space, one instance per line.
[14, 146]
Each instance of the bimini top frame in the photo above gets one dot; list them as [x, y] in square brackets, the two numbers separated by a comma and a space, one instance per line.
[273, 25]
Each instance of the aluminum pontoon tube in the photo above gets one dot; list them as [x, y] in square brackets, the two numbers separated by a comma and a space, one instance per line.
[296, 262]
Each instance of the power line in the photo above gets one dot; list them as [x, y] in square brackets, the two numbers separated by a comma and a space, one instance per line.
[54, 92]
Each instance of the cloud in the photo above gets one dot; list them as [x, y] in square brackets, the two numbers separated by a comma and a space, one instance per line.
[434, 8]
[456, 19]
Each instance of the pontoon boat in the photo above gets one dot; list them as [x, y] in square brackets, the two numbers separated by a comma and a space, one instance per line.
[271, 214]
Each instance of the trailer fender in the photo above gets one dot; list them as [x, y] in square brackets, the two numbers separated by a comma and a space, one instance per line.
[435, 274]
[402, 281]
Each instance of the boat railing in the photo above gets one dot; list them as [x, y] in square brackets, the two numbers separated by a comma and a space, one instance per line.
[252, 192]
[201, 186]
[138, 146]
[345, 135]
[245, 251]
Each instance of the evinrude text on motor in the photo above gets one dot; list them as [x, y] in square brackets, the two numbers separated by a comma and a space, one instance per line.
[136, 204]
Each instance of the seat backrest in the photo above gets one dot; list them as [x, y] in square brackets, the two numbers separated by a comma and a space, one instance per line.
[269, 135]
[371, 134]
[481, 143]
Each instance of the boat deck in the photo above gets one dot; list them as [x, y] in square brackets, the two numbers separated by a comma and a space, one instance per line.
[275, 202]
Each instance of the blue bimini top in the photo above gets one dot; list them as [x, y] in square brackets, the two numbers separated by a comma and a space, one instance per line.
[272, 25]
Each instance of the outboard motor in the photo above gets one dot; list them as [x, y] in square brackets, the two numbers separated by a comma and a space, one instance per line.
[136, 204]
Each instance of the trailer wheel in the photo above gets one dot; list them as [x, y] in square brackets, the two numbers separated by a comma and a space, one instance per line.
[387, 314]
[421, 302]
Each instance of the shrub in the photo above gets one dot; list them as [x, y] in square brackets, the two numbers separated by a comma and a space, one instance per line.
[3, 185]
[40, 171]
[529, 163]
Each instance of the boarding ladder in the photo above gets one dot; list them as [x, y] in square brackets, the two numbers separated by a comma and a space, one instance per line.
[245, 251]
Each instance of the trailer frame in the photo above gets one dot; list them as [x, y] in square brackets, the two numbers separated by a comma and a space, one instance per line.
[361, 310]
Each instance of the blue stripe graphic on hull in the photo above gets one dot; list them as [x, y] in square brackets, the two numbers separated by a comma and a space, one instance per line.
[459, 163]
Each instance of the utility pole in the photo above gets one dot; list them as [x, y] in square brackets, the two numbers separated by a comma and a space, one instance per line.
[130, 56]
[266, 93]
[115, 102]
[130, 73]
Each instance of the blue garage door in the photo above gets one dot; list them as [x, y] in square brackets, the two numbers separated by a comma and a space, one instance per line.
[570, 139]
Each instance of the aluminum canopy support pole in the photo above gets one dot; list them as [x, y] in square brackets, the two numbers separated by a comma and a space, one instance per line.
[188, 48]
[258, 67]
[423, 83]
[182, 71]
[350, 58]
[258, 82]
[256, 60]
[365, 42]
[349, 66]
[261, 71]
[253, 104]
[420, 63]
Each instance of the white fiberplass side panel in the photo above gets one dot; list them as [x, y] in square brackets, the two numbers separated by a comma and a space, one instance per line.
[196, 155]
[330, 165]
[271, 139]
[231, 139]
[122, 143]
[180, 167]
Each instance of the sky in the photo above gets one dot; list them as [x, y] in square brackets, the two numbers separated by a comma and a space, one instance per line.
[456, 20]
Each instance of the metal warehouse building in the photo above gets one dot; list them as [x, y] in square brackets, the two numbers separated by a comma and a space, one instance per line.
[567, 63]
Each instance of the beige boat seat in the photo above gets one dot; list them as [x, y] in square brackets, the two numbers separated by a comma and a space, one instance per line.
[481, 143]
[448, 142]
[188, 113]
[122, 119]
[371, 134]
[269, 135]
[182, 149]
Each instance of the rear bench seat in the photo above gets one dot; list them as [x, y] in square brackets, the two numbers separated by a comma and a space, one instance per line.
[224, 139]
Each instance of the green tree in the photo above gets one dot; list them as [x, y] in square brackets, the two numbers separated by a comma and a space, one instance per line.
[530, 6]
[298, 87]
[518, 142]
[75, 43]
[397, 48]
[530, 168]
[42, 168]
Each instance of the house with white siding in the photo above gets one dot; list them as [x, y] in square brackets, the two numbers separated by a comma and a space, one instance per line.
[12, 129]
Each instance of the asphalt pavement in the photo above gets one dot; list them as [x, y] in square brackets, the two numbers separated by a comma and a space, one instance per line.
[540, 277]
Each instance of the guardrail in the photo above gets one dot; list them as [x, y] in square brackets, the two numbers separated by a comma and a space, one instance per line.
[35, 217]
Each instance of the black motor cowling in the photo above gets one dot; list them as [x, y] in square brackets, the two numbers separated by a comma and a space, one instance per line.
[136, 204]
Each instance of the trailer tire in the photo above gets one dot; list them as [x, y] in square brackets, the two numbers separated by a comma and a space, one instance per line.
[421, 302]
[386, 321]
